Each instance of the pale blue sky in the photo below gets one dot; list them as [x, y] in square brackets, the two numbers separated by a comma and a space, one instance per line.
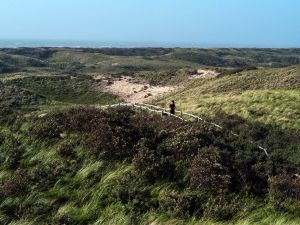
[269, 23]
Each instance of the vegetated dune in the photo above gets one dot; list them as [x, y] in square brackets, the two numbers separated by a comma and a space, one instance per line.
[64, 164]
[87, 166]
[266, 95]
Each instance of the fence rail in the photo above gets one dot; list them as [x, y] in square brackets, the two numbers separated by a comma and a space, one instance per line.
[163, 111]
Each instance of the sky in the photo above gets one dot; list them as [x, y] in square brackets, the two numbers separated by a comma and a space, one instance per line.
[214, 23]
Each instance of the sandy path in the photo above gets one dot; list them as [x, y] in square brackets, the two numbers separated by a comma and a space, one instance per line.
[133, 90]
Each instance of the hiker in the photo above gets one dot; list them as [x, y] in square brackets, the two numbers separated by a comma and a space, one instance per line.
[172, 107]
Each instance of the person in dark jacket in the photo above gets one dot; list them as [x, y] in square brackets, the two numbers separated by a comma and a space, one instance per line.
[172, 107]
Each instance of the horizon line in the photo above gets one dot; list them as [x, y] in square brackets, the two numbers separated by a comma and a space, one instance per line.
[69, 43]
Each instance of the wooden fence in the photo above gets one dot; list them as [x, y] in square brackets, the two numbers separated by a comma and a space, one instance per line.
[180, 115]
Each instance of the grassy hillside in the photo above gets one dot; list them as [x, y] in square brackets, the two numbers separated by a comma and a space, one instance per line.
[85, 166]
[19, 89]
[131, 61]
[266, 95]
[63, 162]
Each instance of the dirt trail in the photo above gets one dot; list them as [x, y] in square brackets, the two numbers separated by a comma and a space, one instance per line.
[133, 90]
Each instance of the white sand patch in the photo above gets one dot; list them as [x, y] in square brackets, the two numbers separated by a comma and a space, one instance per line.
[204, 74]
[134, 90]
[14, 77]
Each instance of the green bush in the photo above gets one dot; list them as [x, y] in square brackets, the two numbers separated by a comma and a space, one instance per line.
[66, 149]
[11, 152]
[50, 127]
[7, 115]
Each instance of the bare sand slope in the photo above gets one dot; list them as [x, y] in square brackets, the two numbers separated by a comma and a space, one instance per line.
[134, 90]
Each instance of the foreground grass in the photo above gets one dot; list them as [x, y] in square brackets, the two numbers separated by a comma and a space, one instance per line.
[68, 183]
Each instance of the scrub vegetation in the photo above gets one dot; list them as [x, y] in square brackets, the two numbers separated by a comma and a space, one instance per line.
[65, 161]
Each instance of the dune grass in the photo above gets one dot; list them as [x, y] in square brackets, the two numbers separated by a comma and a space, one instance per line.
[278, 107]
[81, 189]
[269, 96]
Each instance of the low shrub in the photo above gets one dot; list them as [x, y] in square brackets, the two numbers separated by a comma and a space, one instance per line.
[63, 218]
[207, 173]
[135, 195]
[11, 152]
[108, 142]
[7, 115]
[44, 176]
[15, 186]
[221, 209]
[49, 127]
[66, 149]
[153, 164]
[82, 119]
[120, 116]
[284, 186]
[183, 205]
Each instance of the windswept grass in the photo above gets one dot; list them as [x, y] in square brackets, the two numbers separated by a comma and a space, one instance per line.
[269, 96]
[267, 106]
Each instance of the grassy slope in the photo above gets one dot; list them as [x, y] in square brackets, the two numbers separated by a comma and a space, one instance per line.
[62, 89]
[80, 194]
[265, 95]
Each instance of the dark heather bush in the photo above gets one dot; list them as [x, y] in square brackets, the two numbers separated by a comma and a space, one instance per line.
[109, 142]
[7, 115]
[284, 186]
[12, 152]
[206, 166]
[83, 119]
[183, 205]
[120, 116]
[50, 127]
[15, 186]
[132, 192]
[45, 175]
[247, 167]
[62, 219]
[153, 164]
[187, 140]
[221, 209]
[207, 173]
[66, 149]
[1, 138]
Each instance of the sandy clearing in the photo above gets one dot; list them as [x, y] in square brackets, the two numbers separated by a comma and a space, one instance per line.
[14, 77]
[204, 74]
[133, 90]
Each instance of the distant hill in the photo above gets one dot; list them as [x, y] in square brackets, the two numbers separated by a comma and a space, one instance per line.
[143, 59]
[287, 78]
